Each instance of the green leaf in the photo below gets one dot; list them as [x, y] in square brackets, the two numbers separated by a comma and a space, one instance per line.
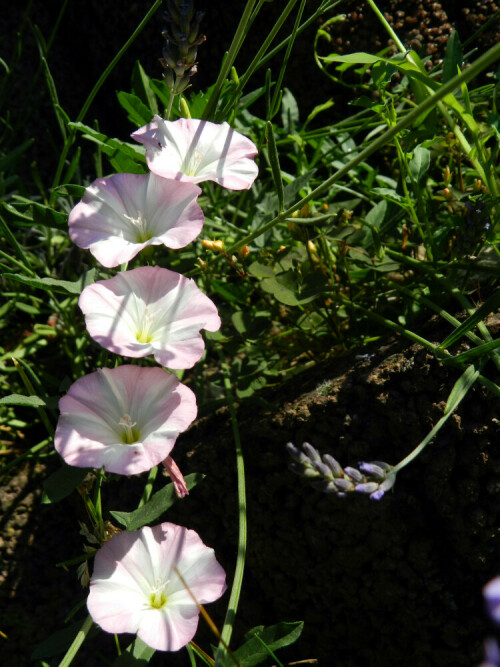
[289, 111]
[275, 164]
[155, 507]
[136, 654]
[61, 483]
[57, 643]
[138, 112]
[123, 157]
[318, 109]
[419, 164]
[260, 270]
[25, 401]
[141, 86]
[460, 388]
[489, 306]
[352, 58]
[249, 325]
[476, 352]
[53, 285]
[453, 58]
[33, 213]
[275, 637]
[70, 190]
[282, 287]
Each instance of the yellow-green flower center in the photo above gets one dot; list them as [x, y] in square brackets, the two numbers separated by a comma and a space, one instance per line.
[139, 228]
[129, 434]
[158, 599]
[144, 334]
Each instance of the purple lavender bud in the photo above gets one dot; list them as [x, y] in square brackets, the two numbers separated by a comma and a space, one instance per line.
[371, 469]
[354, 474]
[491, 653]
[311, 452]
[367, 487]
[334, 465]
[377, 495]
[343, 484]
[296, 454]
[491, 594]
[322, 468]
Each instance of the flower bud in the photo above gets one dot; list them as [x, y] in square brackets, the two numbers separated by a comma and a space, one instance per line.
[311, 452]
[334, 465]
[213, 245]
[354, 474]
[244, 251]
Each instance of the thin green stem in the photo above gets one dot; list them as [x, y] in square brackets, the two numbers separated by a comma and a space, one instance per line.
[242, 522]
[77, 642]
[457, 394]
[31, 391]
[466, 147]
[475, 68]
[258, 56]
[275, 102]
[229, 59]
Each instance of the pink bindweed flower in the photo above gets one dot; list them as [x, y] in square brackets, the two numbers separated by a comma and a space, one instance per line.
[150, 310]
[136, 587]
[124, 419]
[124, 213]
[197, 150]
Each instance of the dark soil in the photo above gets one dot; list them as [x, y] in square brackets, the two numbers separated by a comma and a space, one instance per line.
[377, 583]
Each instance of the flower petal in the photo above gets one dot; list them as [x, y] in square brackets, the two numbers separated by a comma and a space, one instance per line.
[194, 150]
[150, 310]
[135, 569]
[101, 408]
[124, 213]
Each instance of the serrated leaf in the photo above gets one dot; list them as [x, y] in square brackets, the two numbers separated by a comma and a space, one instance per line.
[25, 401]
[155, 507]
[61, 483]
[54, 285]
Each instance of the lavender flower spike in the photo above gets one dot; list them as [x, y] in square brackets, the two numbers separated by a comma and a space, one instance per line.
[325, 473]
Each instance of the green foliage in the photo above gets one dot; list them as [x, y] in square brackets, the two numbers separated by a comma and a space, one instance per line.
[260, 641]
[355, 227]
[155, 507]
